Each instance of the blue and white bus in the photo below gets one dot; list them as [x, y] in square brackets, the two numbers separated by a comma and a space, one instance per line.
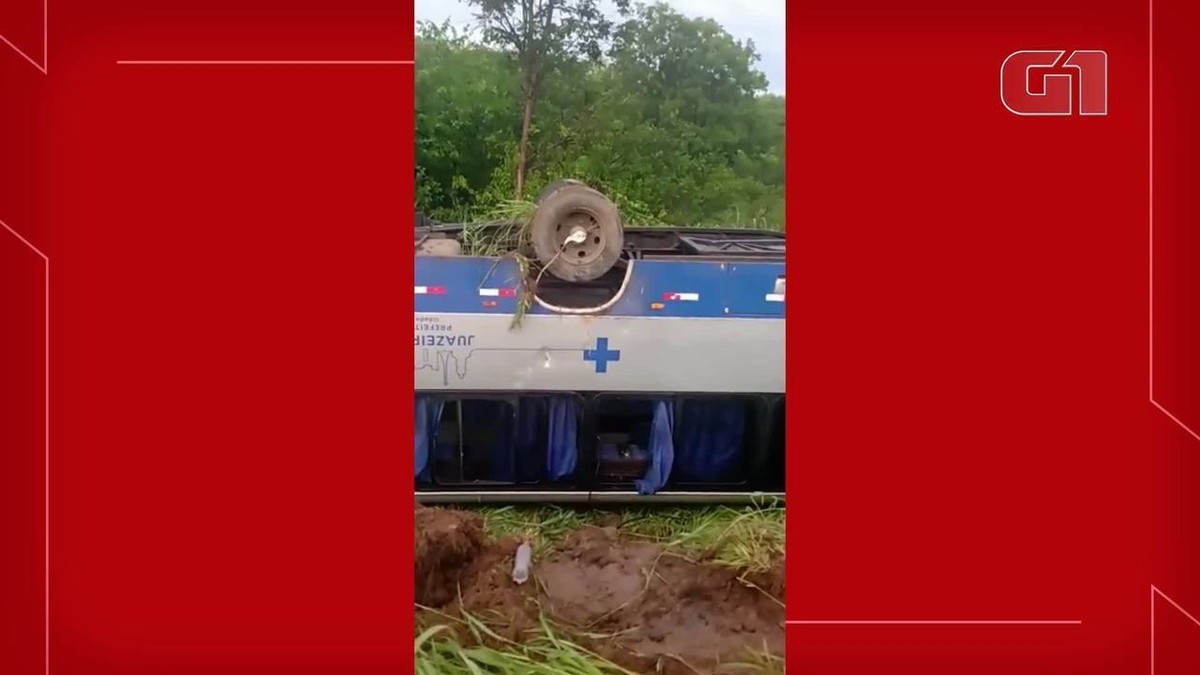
[656, 377]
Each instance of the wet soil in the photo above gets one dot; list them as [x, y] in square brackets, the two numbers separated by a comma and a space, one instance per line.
[664, 613]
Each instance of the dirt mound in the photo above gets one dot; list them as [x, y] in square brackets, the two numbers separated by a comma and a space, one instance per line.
[663, 606]
[665, 613]
[447, 542]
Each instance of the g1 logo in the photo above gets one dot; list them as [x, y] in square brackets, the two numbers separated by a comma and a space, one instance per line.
[1042, 83]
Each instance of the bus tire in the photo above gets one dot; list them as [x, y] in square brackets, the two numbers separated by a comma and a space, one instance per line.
[554, 187]
[562, 212]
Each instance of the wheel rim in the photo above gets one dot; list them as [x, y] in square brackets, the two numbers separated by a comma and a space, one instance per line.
[581, 253]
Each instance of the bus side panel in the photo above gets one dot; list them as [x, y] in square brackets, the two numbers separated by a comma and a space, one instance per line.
[481, 352]
[656, 288]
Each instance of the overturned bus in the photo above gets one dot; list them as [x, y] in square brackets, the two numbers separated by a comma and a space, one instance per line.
[609, 364]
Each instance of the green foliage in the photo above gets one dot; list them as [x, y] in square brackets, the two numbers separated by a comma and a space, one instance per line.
[548, 652]
[673, 123]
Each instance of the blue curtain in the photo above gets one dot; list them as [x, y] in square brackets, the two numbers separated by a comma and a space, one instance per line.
[547, 438]
[661, 445]
[709, 448]
[543, 443]
[562, 447]
[428, 415]
[531, 415]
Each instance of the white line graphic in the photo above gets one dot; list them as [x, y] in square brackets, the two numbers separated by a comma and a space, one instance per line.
[1154, 592]
[939, 622]
[46, 431]
[1154, 401]
[259, 63]
[44, 66]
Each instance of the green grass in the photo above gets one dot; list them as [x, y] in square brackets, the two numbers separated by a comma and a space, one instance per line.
[748, 538]
[436, 651]
[505, 230]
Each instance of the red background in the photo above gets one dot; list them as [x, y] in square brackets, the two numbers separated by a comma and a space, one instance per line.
[972, 434]
[229, 276]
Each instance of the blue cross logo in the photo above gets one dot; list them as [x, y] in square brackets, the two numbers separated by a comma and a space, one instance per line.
[601, 355]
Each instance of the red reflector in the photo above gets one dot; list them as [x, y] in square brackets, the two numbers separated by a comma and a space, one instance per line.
[489, 303]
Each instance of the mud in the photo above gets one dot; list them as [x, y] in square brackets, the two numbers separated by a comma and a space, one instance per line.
[663, 613]
[447, 543]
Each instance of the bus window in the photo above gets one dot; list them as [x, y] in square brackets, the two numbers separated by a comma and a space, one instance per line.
[547, 446]
[496, 441]
[777, 447]
[427, 419]
[474, 442]
[634, 442]
[715, 440]
[622, 438]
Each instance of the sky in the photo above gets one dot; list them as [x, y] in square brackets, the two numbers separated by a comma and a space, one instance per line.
[759, 20]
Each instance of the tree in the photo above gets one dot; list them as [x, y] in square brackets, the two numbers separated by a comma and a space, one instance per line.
[673, 124]
[542, 33]
[465, 119]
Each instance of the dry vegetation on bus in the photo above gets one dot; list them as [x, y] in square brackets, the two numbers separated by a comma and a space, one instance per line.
[682, 590]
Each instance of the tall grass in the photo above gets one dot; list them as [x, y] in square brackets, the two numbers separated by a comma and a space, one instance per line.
[750, 538]
[504, 230]
[547, 652]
